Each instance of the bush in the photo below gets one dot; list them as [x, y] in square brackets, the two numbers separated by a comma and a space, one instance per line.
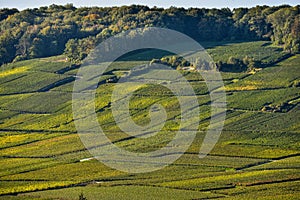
[237, 65]
[81, 197]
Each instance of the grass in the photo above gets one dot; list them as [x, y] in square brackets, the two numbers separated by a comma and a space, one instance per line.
[234, 178]
[287, 163]
[285, 190]
[12, 166]
[259, 50]
[122, 192]
[32, 82]
[253, 151]
[46, 148]
[281, 75]
[50, 64]
[46, 102]
[263, 122]
[13, 187]
[76, 172]
[14, 71]
[222, 162]
[255, 100]
[20, 120]
[4, 114]
[10, 139]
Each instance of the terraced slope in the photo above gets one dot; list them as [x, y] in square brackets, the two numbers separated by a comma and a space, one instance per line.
[42, 157]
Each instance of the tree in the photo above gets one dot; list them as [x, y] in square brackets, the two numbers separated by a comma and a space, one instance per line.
[46, 31]
[5, 12]
[285, 24]
[71, 51]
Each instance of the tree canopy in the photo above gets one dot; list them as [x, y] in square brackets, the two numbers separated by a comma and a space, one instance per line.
[57, 29]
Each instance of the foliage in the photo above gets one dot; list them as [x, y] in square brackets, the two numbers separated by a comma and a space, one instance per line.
[257, 153]
[25, 186]
[286, 28]
[282, 75]
[52, 30]
[255, 100]
[122, 192]
[246, 55]
[233, 178]
[81, 197]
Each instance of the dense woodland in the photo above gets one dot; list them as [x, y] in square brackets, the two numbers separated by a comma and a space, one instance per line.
[56, 29]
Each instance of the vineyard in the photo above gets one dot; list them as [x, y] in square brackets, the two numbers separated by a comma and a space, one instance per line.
[257, 155]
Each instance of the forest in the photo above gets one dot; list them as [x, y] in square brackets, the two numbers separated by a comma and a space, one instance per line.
[56, 29]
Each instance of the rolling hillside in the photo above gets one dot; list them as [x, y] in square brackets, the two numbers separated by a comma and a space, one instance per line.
[257, 156]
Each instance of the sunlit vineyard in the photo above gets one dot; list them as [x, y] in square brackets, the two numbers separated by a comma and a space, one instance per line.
[42, 157]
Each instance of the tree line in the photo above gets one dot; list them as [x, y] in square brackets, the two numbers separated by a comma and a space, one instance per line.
[56, 29]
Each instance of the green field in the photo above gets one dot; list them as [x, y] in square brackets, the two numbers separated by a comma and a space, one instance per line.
[256, 157]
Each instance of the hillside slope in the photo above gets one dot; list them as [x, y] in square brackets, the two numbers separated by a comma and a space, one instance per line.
[257, 155]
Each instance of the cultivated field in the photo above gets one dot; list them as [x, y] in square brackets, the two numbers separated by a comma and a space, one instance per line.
[257, 156]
